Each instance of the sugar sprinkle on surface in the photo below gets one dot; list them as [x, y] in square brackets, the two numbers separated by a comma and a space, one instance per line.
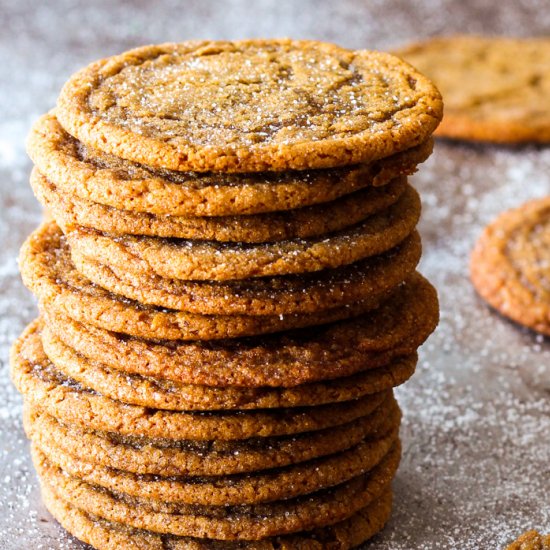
[477, 413]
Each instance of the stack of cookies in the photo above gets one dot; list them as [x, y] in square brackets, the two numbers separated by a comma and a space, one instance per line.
[227, 294]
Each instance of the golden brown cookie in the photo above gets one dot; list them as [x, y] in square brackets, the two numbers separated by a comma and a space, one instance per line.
[495, 88]
[168, 394]
[169, 457]
[369, 280]
[302, 105]
[246, 522]
[41, 385]
[397, 328]
[48, 271]
[301, 223]
[106, 535]
[531, 540]
[94, 176]
[209, 260]
[228, 294]
[267, 486]
[509, 264]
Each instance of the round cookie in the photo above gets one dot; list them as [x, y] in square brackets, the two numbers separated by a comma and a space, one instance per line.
[293, 481]
[105, 535]
[208, 260]
[531, 540]
[301, 223]
[94, 176]
[302, 105]
[495, 88]
[36, 378]
[164, 457]
[168, 394]
[508, 265]
[247, 522]
[47, 270]
[397, 328]
[371, 279]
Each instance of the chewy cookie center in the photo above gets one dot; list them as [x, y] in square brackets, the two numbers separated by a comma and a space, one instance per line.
[250, 95]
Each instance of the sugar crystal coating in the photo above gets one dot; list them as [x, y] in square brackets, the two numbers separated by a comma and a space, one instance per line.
[250, 105]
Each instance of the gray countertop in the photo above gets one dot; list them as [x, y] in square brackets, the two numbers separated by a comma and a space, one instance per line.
[476, 466]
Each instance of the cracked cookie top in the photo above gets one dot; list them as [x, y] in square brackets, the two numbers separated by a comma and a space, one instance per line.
[249, 106]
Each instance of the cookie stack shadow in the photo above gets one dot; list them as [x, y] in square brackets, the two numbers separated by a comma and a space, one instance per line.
[215, 357]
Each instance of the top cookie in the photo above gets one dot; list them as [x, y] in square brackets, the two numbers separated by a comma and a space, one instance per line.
[249, 106]
[495, 89]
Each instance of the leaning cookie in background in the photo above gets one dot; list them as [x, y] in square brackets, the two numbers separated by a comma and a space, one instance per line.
[531, 540]
[509, 264]
[495, 88]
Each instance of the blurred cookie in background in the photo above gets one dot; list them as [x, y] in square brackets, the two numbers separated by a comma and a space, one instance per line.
[510, 264]
[494, 88]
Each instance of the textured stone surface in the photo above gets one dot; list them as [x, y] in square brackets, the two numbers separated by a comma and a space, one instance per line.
[476, 414]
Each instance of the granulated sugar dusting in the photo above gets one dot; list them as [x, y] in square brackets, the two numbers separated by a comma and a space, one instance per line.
[476, 414]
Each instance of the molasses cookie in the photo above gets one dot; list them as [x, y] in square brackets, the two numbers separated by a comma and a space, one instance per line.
[48, 271]
[214, 261]
[302, 105]
[78, 171]
[495, 88]
[509, 264]
[107, 535]
[397, 328]
[267, 486]
[311, 221]
[246, 522]
[367, 280]
[42, 385]
[168, 394]
[170, 457]
[531, 540]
